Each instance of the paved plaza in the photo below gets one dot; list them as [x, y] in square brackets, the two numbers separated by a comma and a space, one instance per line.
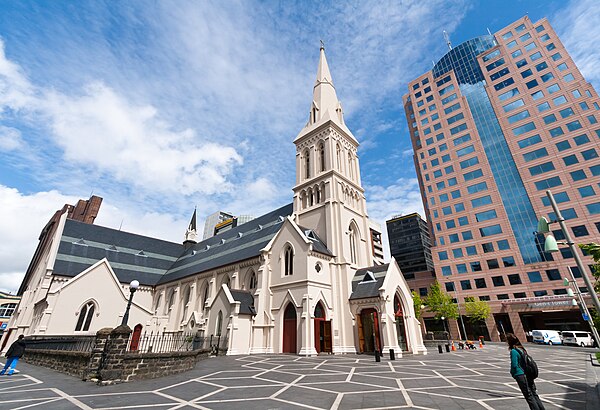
[476, 379]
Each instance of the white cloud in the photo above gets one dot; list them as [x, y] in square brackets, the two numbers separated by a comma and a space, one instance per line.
[385, 202]
[100, 130]
[578, 28]
[24, 217]
[27, 214]
[10, 139]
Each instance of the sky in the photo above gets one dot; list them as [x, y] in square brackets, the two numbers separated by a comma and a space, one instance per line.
[159, 107]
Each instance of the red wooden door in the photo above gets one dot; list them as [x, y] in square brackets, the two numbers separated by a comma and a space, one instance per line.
[289, 329]
[135, 337]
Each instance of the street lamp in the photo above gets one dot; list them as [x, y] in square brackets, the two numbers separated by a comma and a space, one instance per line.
[132, 288]
[444, 324]
[550, 245]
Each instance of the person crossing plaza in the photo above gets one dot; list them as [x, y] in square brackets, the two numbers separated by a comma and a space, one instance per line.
[14, 353]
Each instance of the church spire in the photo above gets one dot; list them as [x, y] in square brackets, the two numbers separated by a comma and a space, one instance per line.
[325, 105]
[191, 235]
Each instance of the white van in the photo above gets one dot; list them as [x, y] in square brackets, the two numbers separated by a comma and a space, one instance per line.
[578, 338]
[548, 337]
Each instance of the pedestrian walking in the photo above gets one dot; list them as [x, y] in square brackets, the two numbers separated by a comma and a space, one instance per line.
[16, 350]
[518, 370]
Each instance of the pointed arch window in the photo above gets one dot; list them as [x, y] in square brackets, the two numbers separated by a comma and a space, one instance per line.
[157, 305]
[170, 302]
[321, 156]
[353, 237]
[350, 167]
[288, 257]
[338, 154]
[85, 317]
[252, 283]
[219, 326]
[184, 303]
[205, 296]
[317, 194]
[307, 163]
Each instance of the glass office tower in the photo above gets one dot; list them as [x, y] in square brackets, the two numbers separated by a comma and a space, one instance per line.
[499, 120]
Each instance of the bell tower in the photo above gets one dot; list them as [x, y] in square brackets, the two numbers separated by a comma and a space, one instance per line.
[328, 196]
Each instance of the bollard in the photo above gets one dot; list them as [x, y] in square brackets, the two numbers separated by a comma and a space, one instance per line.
[440, 349]
[447, 348]
[377, 356]
[392, 354]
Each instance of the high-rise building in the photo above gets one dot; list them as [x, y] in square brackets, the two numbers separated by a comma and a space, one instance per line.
[410, 244]
[213, 220]
[499, 120]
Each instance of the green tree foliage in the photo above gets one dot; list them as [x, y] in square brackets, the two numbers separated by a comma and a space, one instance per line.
[417, 302]
[593, 249]
[477, 310]
[440, 303]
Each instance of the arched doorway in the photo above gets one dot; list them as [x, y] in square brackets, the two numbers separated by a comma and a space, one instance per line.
[322, 330]
[400, 325]
[289, 329]
[135, 337]
[369, 336]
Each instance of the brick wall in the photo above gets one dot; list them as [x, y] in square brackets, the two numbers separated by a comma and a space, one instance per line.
[110, 362]
[71, 363]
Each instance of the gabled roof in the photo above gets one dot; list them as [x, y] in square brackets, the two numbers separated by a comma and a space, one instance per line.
[153, 261]
[237, 244]
[246, 301]
[367, 281]
[131, 256]
[317, 243]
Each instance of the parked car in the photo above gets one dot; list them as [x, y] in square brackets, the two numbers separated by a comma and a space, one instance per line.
[576, 338]
[548, 337]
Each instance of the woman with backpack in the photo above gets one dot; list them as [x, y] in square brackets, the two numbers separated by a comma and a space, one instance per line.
[518, 370]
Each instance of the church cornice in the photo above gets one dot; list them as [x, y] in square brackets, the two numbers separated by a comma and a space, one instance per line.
[329, 125]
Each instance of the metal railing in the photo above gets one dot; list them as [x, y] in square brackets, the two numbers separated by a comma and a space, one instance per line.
[174, 342]
[63, 343]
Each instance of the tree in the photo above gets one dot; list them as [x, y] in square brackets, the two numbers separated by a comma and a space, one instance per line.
[477, 310]
[593, 249]
[440, 303]
[417, 302]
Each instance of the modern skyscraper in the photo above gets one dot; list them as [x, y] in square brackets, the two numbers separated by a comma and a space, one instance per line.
[499, 120]
[410, 244]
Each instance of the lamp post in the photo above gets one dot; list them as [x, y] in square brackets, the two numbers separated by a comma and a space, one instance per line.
[444, 324]
[550, 245]
[133, 286]
[462, 322]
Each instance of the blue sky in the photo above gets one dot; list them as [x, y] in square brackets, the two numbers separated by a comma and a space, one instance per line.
[162, 106]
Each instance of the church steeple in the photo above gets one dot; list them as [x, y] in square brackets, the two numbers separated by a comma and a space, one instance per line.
[191, 235]
[325, 105]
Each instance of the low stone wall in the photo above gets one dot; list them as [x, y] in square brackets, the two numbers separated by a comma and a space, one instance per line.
[138, 366]
[110, 362]
[71, 363]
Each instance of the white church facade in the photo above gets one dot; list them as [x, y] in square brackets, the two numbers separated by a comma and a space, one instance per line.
[301, 279]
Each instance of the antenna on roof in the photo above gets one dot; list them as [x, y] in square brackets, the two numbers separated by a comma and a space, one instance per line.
[120, 226]
[489, 32]
[447, 38]
[432, 63]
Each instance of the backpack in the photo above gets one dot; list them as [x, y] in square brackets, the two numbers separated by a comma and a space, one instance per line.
[529, 365]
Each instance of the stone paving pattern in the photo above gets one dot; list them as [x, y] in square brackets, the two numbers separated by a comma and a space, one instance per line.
[477, 379]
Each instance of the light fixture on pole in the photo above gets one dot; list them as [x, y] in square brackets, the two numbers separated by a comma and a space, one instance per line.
[133, 286]
[551, 245]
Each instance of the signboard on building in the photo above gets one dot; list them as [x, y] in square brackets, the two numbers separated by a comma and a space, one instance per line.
[550, 303]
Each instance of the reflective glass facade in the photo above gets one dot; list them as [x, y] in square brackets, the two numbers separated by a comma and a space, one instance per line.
[521, 215]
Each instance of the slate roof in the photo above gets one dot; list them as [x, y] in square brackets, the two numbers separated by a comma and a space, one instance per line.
[237, 244]
[246, 299]
[153, 261]
[367, 281]
[318, 244]
[130, 255]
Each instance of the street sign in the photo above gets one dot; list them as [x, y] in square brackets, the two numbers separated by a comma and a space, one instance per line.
[585, 317]
[3, 325]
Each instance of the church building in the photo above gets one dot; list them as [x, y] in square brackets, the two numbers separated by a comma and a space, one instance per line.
[300, 279]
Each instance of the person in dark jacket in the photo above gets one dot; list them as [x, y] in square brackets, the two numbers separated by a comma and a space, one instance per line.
[16, 350]
[518, 373]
